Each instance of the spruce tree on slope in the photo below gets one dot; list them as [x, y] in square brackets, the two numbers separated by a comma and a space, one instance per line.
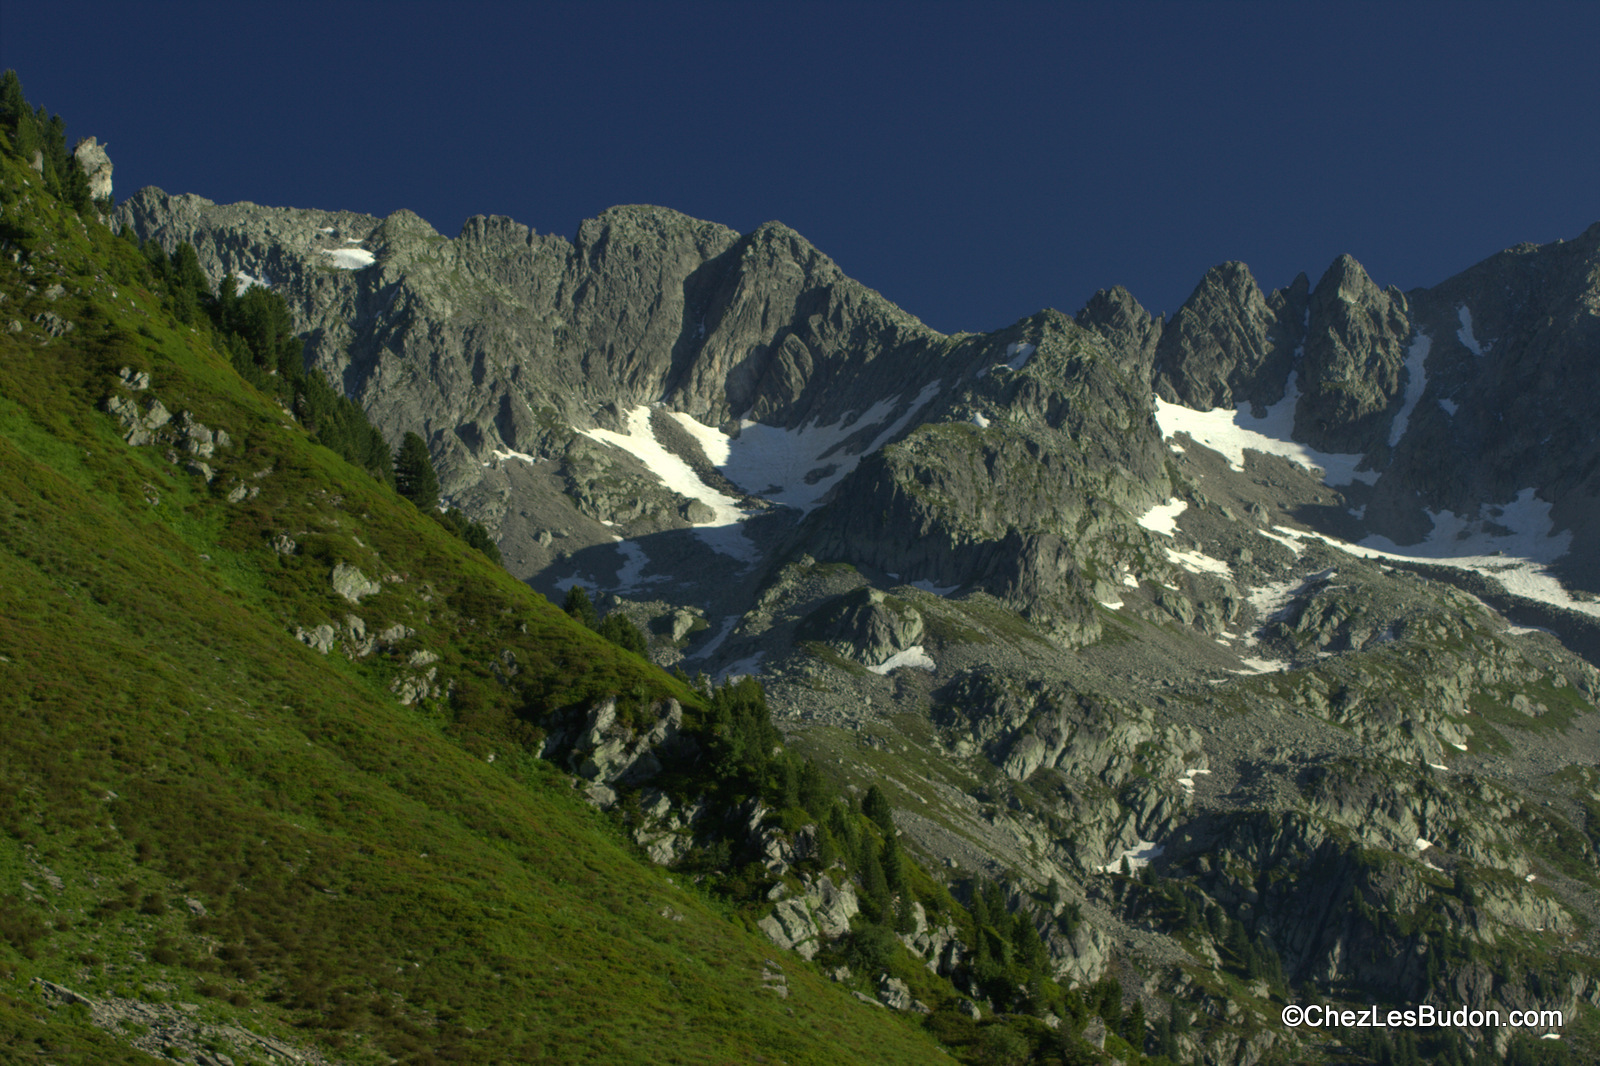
[414, 476]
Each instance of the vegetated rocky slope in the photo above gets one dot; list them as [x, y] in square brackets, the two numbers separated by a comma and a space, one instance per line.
[269, 776]
[973, 592]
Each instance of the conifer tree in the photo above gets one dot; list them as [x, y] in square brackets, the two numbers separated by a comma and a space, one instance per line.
[875, 805]
[894, 865]
[619, 629]
[414, 477]
[813, 790]
[578, 606]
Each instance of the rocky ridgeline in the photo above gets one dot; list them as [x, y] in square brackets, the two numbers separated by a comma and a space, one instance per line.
[1456, 394]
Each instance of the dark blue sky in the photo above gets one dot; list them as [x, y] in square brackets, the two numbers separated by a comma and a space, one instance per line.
[973, 164]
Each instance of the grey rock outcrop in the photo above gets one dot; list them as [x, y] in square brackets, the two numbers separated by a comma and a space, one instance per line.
[802, 923]
[96, 165]
[609, 752]
[138, 427]
[321, 637]
[168, 1031]
[348, 581]
[867, 626]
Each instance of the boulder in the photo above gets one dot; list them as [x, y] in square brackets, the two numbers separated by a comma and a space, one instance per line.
[864, 625]
[352, 584]
[320, 638]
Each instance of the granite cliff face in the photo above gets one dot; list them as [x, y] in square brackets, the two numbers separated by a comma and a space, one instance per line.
[1084, 595]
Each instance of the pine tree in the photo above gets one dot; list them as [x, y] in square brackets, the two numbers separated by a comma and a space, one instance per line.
[813, 790]
[414, 476]
[894, 866]
[979, 909]
[578, 606]
[13, 105]
[875, 805]
[1133, 1026]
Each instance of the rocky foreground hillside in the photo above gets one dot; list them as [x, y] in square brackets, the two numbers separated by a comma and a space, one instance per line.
[1251, 648]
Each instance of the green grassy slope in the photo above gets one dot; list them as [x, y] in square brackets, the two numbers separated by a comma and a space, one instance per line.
[239, 823]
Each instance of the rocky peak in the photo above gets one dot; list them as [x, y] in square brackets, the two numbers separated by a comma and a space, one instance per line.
[1127, 328]
[1355, 352]
[1224, 340]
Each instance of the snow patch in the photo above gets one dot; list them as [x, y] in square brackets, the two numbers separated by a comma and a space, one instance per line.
[716, 642]
[243, 283]
[1288, 542]
[1464, 334]
[1261, 666]
[1018, 355]
[722, 532]
[1196, 563]
[1450, 407]
[913, 656]
[1163, 517]
[1138, 857]
[504, 454]
[979, 421]
[1422, 845]
[746, 667]
[938, 590]
[798, 467]
[1516, 557]
[1416, 384]
[630, 577]
[1231, 433]
[350, 258]
[1130, 581]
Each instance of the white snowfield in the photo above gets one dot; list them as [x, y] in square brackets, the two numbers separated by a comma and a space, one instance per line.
[795, 468]
[1163, 517]
[1017, 356]
[1138, 856]
[350, 258]
[1513, 542]
[1416, 385]
[722, 532]
[1197, 563]
[1232, 432]
[243, 282]
[912, 656]
[1517, 559]
[1464, 334]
